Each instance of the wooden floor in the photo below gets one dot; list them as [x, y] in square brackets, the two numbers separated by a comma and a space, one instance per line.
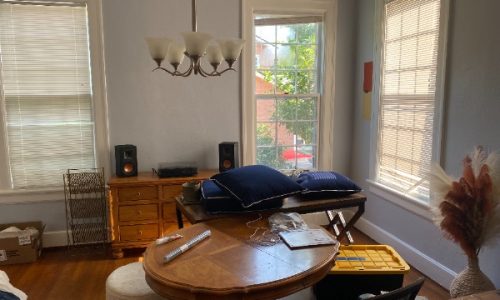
[81, 274]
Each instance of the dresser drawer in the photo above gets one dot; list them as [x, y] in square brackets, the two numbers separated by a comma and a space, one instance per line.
[138, 193]
[171, 191]
[169, 211]
[138, 212]
[138, 232]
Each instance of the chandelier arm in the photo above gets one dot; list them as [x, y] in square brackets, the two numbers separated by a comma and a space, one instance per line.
[183, 74]
[205, 73]
[202, 73]
[224, 71]
[188, 71]
[176, 72]
[200, 70]
[166, 70]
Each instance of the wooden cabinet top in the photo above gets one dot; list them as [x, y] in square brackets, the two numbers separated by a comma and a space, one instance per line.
[150, 178]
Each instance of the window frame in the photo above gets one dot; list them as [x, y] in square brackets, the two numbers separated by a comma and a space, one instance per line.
[328, 10]
[410, 203]
[99, 108]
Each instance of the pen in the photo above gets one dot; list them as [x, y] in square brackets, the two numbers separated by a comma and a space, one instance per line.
[166, 239]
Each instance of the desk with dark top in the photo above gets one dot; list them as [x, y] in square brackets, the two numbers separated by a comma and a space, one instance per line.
[195, 213]
[229, 266]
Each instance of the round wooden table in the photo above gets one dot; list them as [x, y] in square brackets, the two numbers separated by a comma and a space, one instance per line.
[227, 266]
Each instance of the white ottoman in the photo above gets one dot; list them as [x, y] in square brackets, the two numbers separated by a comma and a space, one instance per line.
[6, 286]
[128, 283]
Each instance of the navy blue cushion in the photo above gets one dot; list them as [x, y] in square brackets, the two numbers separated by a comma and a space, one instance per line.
[321, 184]
[215, 200]
[255, 184]
[210, 190]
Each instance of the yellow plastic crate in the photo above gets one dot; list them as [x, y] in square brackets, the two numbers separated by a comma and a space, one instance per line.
[369, 259]
[361, 269]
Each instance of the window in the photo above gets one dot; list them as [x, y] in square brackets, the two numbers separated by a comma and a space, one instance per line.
[409, 95]
[287, 84]
[287, 95]
[47, 102]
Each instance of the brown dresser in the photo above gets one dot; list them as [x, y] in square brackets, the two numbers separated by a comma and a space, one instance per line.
[142, 208]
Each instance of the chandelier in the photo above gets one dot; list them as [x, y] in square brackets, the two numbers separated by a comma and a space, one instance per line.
[197, 45]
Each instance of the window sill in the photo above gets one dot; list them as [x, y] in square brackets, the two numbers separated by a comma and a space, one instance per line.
[31, 196]
[409, 203]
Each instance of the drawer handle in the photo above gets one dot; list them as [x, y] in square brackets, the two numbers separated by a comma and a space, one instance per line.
[139, 212]
[139, 194]
[139, 232]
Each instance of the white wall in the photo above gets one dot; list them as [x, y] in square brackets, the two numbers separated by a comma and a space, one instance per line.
[51, 213]
[345, 58]
[471, 118]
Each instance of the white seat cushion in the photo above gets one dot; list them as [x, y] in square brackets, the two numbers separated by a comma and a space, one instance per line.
[6, 286]
[128, 283]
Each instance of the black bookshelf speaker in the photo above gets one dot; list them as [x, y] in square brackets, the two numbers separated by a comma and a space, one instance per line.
[126, 160]
[228, 156]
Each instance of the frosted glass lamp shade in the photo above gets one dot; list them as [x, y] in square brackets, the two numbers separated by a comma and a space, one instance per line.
[231, 48]
[214, 54]
[196, 42]
[175, 53]
[158, 47]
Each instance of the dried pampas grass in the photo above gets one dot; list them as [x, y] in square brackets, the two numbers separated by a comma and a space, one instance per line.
[468, 209]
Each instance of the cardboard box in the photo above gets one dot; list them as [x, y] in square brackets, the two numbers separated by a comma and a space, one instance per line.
[20, 247]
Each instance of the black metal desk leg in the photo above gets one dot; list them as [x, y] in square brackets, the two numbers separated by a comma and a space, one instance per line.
[178, 213]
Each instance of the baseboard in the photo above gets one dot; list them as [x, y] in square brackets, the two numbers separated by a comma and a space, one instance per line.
[55, 239]
[419, 260]
[59, 239]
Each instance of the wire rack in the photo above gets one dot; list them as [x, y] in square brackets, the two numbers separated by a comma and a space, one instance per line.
[86, 211]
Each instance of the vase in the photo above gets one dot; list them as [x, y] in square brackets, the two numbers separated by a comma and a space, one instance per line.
[471, 280]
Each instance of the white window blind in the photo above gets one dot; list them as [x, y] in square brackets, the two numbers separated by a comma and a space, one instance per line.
[46, 91]
[408, 94]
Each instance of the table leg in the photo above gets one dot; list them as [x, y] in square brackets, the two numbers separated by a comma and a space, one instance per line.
[180, 223]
